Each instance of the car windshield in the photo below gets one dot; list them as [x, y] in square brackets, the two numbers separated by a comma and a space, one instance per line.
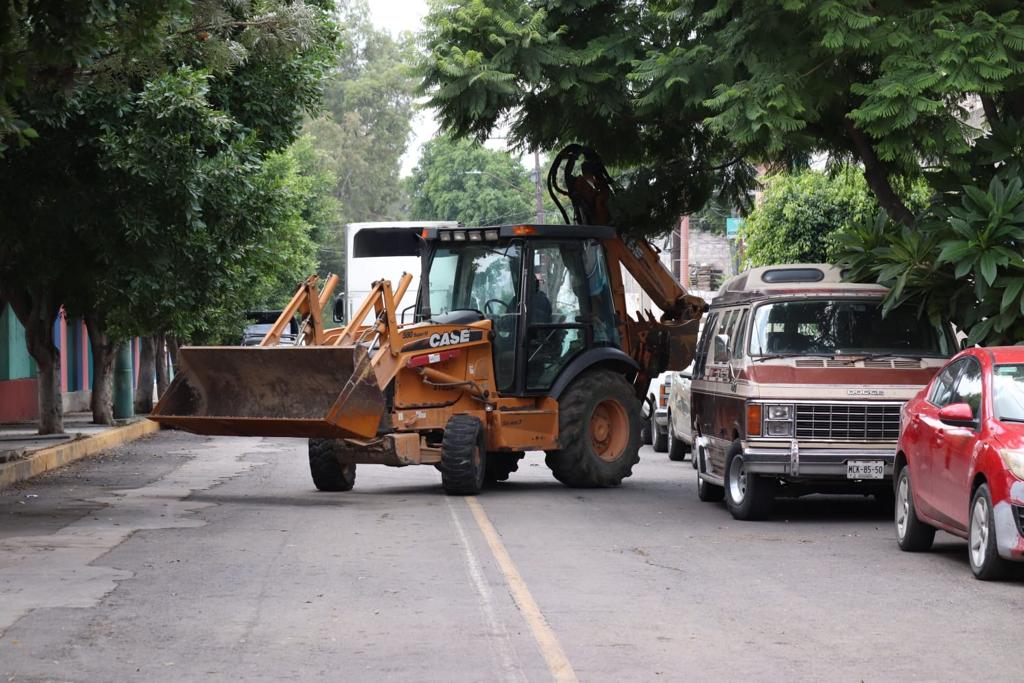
[1008, 392]
[834, 327]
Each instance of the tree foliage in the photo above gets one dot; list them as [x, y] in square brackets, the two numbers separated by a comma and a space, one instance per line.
[560, 72]
[467, 182]
[155, 198]
[964, 263]
[680, 89]
[800, 216]
[365, 126]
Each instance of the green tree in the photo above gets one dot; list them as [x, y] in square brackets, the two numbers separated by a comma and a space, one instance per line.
[560, 72]
[801, 214]
[151, 204]
[467, 182]
[365, 127]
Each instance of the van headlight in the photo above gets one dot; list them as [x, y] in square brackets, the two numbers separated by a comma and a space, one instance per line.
[778, 420]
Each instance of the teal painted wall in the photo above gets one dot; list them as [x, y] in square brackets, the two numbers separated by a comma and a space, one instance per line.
[15, 363]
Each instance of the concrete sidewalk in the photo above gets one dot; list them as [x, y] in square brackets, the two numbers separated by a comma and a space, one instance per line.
[24, 453]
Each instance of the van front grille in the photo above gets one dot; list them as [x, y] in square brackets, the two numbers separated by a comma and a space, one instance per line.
[843, 421]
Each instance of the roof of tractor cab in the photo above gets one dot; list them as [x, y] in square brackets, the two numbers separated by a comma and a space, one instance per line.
[533, 230]
[794, 279]
[406, 239]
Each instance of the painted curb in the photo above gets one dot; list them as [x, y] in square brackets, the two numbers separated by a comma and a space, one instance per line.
[47, 459]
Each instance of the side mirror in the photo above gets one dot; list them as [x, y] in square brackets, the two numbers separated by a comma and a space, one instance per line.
[957, 415]
[686, 375]
[339, 308]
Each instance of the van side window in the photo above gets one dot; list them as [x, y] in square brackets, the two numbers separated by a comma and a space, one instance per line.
[720, 351]
[738, 333]
[702, 346]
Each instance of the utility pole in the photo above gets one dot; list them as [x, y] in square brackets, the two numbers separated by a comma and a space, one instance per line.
[684, 251]
[537, 187]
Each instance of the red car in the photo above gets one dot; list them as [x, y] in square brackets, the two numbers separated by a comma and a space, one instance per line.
[960, 460]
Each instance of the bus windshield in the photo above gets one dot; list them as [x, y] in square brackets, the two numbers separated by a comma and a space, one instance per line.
[843, 327]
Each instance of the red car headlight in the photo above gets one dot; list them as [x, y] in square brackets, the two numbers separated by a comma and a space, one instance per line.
[1014, 460]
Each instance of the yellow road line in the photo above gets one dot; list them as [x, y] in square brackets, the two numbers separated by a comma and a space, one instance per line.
[547, 641]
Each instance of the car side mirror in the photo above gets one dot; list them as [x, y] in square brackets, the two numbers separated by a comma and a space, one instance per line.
[957, 415]
[339, 309]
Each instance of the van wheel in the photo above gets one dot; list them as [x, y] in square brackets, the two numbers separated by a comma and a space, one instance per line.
[706, 492]
[747, 495]
[329, 474]
[598, 431]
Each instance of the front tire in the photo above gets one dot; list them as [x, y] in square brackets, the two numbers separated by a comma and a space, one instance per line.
[981, 540]
[598, 431]
[912, 534]
[747, 495]
[463, 456]
[329, 474]
[676, 448]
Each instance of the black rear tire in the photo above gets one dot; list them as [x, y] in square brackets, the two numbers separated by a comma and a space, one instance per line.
[329, 474]
[500, 465]
[463, 456]
[659, 439]
[676, 448]
[747, 495]
[912, 534]
[577, 462]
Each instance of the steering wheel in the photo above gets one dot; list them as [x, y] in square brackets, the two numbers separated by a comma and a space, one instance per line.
[487, 307]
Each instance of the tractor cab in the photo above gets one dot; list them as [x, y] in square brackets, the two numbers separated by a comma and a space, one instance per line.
[545, 289]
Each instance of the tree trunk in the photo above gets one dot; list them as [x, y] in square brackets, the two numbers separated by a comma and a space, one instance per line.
[38, 314]
[172, 348]
[102, 401]
[144, 383]
[877, 177]
[162, 376]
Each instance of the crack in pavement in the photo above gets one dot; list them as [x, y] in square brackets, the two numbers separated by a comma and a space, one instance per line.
[56, 570]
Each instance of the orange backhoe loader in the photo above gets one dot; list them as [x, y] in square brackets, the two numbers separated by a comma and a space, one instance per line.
[519, 341]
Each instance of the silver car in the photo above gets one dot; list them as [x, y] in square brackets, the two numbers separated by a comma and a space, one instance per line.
[680, 431]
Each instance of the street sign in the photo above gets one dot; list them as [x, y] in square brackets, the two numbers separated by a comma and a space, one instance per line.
[732, 226]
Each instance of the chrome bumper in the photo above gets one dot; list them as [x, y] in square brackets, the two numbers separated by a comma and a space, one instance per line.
[794, 461]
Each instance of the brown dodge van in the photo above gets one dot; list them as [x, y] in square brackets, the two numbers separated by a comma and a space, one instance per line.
[797, 386]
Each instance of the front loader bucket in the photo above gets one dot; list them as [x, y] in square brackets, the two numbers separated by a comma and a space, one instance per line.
[302, 391]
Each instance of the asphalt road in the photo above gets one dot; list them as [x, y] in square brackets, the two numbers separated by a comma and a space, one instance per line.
[179, 558]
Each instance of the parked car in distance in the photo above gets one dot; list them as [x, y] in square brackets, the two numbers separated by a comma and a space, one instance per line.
[960, 461]
[680, 432]
[798, 382]
[260, 323]
[655, 409]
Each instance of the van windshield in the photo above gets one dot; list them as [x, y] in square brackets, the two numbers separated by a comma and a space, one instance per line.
[832, 327]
